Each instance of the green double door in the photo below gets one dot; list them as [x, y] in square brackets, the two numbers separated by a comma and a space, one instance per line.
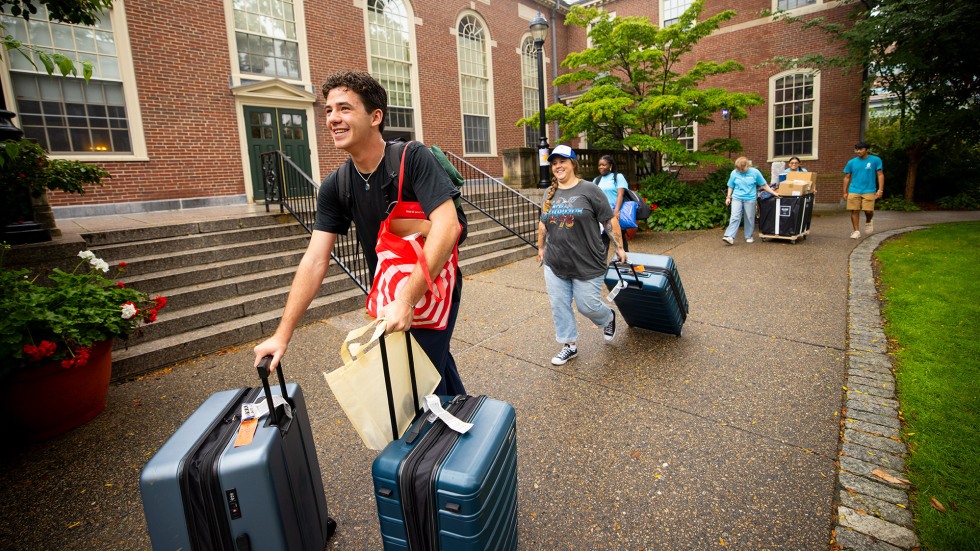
[272, 128]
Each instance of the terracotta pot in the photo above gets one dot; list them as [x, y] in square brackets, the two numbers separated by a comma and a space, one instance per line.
[50, 400]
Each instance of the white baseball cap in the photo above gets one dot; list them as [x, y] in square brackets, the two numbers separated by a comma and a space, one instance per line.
[563, 151]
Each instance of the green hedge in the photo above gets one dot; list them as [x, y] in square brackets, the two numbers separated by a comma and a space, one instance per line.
[681, 206]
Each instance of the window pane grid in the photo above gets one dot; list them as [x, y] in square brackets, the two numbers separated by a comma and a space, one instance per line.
[793, 115]
[673, 9]
[793, 4]
[65, 115]
[390, 50]
[265, 35]
[83, 43]
[474, 85]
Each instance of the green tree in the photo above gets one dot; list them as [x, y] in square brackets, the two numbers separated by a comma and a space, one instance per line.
[634, 94]
[921, 52]
[82, 12]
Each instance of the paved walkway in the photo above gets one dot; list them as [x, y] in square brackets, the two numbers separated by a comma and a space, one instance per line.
[727, 437]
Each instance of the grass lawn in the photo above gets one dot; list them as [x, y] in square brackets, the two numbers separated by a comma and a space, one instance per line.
[930, 281]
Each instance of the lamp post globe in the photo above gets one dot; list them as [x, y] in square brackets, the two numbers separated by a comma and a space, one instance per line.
[539, 30]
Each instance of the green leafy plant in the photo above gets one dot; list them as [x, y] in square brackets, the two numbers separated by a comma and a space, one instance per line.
[59, 316]
[961, 201]
[684, 206]
[26, 172]
[897, 203]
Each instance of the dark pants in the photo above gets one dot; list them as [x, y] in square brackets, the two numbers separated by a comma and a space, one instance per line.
[435, 342]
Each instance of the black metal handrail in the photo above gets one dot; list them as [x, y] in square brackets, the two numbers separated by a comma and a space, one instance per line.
[295, 192]
[501, 203]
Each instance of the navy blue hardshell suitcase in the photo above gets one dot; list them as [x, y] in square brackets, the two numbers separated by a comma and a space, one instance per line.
[653, 297]
[201, 492]
[438, 489]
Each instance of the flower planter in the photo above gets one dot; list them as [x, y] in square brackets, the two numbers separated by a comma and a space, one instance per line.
[50, 400]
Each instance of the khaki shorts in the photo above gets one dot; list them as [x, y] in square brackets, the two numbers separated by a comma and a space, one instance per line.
[861, 201]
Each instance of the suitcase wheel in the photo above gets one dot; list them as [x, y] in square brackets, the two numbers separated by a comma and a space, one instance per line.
[331, 526]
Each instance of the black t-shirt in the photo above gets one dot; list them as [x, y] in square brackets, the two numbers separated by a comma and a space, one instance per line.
[425, 182]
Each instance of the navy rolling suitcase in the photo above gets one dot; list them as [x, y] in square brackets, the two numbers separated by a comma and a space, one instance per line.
[650, 294]
[200, 491]
[438, 489]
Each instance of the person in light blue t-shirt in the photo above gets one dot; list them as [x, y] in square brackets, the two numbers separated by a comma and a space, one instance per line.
[864, 182]
[613, 185]
[743, 189]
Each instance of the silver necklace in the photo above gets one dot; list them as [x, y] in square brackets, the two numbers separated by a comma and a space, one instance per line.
[367, 184]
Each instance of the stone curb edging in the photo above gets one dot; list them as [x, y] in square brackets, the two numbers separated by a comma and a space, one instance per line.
[872, 513]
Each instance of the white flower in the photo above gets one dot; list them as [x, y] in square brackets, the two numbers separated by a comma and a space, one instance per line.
[86, 255]
[99, 264]
[128, 310]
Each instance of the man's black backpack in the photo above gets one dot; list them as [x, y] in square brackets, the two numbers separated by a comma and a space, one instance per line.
[643, 210]
[392, 162]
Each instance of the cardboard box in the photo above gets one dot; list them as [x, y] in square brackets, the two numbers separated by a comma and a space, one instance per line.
[798, 183]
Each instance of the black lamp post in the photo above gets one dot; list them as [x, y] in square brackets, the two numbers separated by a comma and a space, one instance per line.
[539, 30]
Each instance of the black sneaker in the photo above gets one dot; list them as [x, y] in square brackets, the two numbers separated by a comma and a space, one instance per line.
[609, 331]
[567, 353]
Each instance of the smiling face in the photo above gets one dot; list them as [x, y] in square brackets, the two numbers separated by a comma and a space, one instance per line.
[563, 169]
[604, 167]
[349, 121]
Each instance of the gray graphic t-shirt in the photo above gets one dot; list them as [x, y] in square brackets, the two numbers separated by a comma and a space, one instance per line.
[574, 248]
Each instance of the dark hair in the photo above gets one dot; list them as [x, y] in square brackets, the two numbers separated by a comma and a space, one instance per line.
[862, 145]
[364, 85]
[794, 158]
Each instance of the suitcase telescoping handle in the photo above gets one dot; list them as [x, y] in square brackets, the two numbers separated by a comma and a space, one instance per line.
[263, 369]
[632, 268]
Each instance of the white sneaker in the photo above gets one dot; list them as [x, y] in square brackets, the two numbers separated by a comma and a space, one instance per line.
[855, 234]
[567, 353]
[728, 240]
[749, 240]
[869, 228]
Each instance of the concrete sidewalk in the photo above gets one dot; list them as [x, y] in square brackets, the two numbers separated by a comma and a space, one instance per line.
[726, 437]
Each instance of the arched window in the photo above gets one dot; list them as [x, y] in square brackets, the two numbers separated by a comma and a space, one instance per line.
[474, 84]
[794, 113]
[529, 80]
[390, 44]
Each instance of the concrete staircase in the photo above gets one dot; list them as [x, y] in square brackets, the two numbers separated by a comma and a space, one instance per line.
[226, 281]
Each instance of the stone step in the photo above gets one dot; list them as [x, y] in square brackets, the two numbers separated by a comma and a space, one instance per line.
[188, 276]
[112, 237]
[197, 241]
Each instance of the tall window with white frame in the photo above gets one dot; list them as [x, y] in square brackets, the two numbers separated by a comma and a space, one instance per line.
[474, 84]
[390, 42]
[793, 112]
[69, 115]
[529, 81]
[673, 9]
[265, 37]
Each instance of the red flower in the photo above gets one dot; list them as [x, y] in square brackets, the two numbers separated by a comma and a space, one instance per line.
[121, 265]
[80, 359]
[159, 301]
[38, 353]
[151, 316]
[120, 284]
[653, 206]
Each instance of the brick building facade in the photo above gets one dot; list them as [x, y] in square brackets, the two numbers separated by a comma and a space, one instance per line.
[185, 94]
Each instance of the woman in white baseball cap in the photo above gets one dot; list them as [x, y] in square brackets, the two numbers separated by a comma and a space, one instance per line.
[571, 248]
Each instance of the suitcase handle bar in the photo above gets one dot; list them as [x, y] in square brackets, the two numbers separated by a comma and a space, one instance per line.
[263, 369]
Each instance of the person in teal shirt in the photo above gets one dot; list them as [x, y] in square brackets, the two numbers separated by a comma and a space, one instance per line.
[864, 182]
[743, 189]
